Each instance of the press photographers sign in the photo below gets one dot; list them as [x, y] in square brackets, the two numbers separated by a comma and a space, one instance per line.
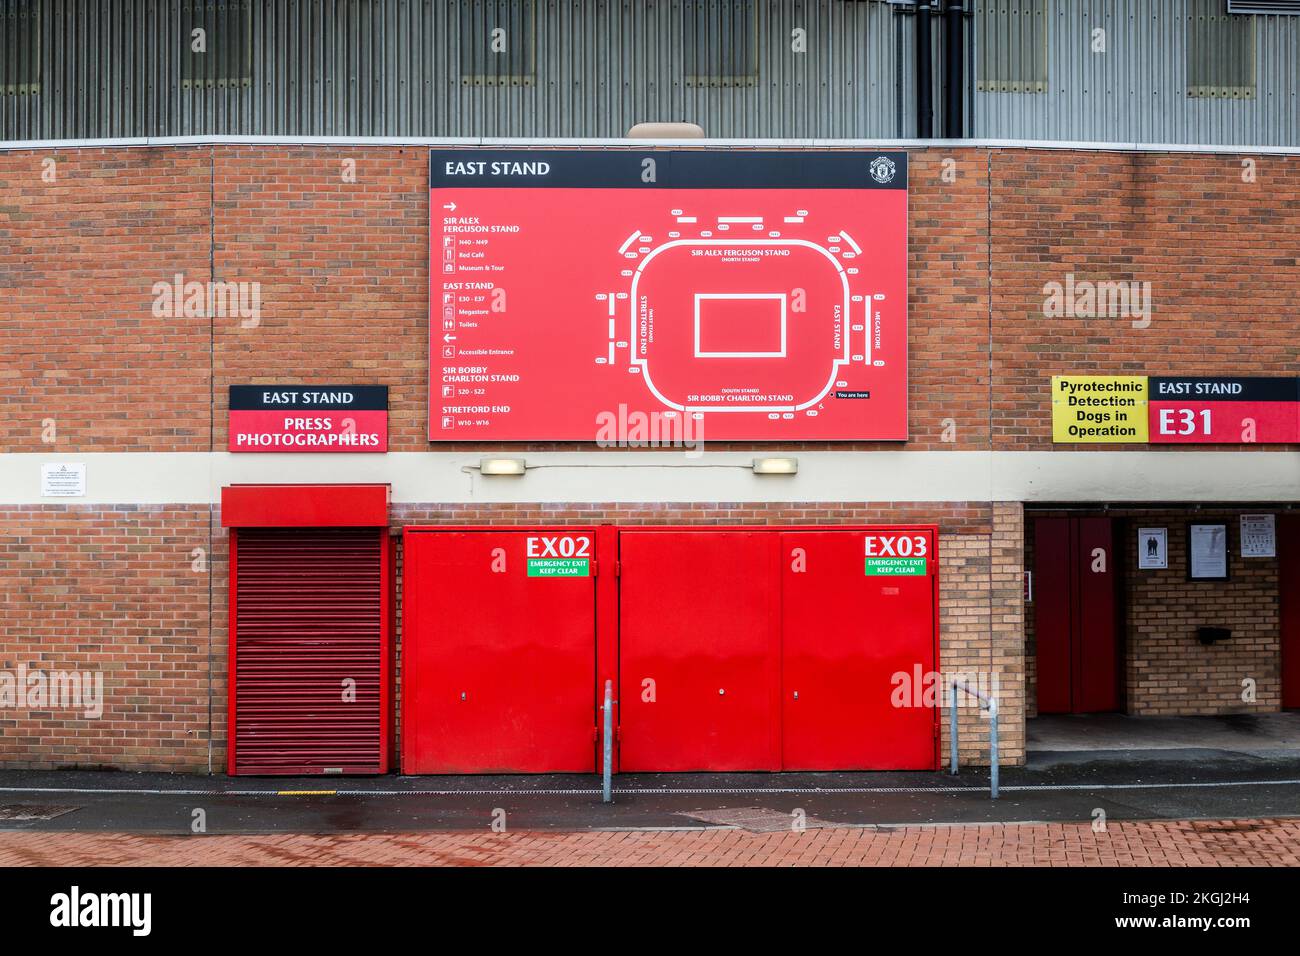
[308, 418]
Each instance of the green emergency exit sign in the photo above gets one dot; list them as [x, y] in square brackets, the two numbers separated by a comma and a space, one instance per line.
[895, 567]
[559, 568]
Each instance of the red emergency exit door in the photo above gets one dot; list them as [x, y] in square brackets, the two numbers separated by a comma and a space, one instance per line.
[498, 651]
[771, 649]
[699, 648]
[858, 648]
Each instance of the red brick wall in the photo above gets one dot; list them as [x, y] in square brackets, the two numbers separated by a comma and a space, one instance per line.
[1220, 253]
[1168, 671]
[118, 591]
[78, 259]
[342, 268]
[122, 590]
[343, 272]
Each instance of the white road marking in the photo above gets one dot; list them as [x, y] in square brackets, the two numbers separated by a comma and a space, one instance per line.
[649, 791]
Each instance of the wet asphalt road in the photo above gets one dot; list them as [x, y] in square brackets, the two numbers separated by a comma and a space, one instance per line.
[1147, 785]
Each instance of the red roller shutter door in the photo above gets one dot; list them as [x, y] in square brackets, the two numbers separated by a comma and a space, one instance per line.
[309, 612]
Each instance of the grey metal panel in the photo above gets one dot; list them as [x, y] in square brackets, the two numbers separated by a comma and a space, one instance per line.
[1137, 89]
[111, 69]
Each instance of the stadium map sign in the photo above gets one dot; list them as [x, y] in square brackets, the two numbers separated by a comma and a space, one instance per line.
[733, 294]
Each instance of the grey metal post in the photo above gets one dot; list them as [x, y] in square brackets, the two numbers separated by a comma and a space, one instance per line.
[993, 748]
[607, 795]
[952, 729]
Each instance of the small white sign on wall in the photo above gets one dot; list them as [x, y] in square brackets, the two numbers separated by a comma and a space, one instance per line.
[1258, 536]
[1153, 548]
[1207, 552]
[65, 479]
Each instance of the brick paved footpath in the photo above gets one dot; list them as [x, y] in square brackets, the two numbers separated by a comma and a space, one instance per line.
[1161, 843]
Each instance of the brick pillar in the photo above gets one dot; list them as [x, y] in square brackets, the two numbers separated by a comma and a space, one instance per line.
[981, 628]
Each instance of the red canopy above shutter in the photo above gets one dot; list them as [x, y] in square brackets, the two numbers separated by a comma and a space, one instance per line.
[304, 506]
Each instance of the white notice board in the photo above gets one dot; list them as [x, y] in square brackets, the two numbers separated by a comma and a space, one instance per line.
[1207, 552]
[1258, 536]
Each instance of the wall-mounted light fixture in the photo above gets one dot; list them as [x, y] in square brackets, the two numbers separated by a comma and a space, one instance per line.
[776, 466]
[502, 466]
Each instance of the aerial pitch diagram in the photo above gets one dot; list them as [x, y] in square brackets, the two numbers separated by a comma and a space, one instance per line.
[754, 295]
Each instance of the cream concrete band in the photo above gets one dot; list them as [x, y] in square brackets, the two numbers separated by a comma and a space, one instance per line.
[674, 476]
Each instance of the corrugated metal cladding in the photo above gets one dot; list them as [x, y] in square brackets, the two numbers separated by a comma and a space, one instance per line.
[1130, 82]
[80, 69]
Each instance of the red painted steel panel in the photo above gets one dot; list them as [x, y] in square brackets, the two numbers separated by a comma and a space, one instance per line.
[1053, 614]
[1289, 589]
[699, 650]
[498, 651]
[846, 636]
[309, 636]
[1096, 665]
[607, 634]
[304, 506]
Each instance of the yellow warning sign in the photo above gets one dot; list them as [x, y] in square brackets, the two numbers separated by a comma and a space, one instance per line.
[1099, 408]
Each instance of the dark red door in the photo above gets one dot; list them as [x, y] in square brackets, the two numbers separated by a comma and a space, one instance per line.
[1076, 624]
[1096, 664]
[851, 625]
[699, 667]
[1053, 613]
[1289, 588]
[499, 651]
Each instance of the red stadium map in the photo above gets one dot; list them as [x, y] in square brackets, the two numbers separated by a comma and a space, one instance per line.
[749, 295]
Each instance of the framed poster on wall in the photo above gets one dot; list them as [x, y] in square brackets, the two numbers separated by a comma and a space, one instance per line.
[1207, 552]
[1153, 548]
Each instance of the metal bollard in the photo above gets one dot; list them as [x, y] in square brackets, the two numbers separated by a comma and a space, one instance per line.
[607, 794]
[952, 729]
[991, 704]
[993, 748]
